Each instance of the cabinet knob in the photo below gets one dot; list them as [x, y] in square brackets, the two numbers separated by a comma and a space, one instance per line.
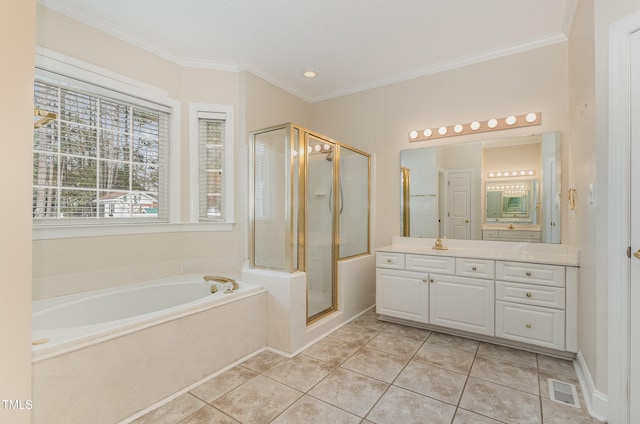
[528, 273]
[431, 280]
[474, 268]
[528, 294]
[424, 280]
[389, 261]
[528, 325]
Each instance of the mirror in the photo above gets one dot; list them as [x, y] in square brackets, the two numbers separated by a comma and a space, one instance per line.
[505, 189]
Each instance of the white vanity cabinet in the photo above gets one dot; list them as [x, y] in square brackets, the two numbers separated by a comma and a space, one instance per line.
[530, 300]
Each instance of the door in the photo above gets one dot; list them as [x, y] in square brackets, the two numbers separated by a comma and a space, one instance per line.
[321, 203]
[634, 185]
[459, 202]
[402, 294]
[462, 303]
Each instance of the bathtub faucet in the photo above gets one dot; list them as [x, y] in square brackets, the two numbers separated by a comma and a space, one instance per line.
[223, 280]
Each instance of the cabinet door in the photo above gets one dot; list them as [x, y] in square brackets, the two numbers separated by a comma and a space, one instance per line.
[402, 294]
[462, 303]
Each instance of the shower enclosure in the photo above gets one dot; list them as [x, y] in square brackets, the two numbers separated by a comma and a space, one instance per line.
[309, 207]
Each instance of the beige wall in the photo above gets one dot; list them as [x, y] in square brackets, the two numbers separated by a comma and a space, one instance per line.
[17, 35]
[379, 120]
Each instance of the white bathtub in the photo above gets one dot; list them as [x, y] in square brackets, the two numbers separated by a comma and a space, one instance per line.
[69, 321]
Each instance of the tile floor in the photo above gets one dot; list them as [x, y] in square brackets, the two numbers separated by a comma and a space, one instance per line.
[370, 371]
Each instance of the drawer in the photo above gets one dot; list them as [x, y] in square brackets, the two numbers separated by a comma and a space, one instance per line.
[478, 268]
[490, 233]
[530, 324]
[549, 275]
[551, 297]
[390, 260]
[426, 263]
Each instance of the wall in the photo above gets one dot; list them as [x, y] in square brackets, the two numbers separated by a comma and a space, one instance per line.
[379, 120]
[17, 36]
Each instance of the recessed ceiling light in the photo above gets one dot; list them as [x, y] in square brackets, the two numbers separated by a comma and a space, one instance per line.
[310, 74]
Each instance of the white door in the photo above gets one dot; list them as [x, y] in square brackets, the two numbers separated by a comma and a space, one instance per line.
[459, 205]
[634, 185]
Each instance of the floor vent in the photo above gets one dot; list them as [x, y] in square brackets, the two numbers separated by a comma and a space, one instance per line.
[564, 393]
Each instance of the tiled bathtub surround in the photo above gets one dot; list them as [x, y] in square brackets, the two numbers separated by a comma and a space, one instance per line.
[374, 372]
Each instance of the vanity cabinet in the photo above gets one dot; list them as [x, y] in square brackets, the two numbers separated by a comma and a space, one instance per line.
[518, 301]
[436, 290]
[530, 303]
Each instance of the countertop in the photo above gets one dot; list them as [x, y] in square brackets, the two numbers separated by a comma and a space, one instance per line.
[552, 254]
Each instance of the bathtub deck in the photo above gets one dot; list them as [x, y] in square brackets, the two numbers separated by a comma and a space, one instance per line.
[371, 371]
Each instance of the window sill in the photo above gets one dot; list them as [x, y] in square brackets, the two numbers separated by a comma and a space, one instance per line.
[63, 232]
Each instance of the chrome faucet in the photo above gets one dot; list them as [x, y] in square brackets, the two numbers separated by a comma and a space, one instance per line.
[439, 245]
[223, 280]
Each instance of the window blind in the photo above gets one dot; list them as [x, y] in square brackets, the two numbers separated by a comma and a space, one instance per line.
[211, 136]
[101, 160]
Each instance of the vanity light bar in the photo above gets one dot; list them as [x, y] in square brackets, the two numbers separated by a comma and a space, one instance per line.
[502, 174]
[512, 121]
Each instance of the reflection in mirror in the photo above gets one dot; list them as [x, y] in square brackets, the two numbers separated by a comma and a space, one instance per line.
[468, 190]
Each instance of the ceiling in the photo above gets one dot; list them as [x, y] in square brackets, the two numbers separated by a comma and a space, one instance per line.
[353, 45]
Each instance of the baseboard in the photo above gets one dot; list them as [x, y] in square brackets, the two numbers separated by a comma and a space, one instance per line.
[597, 402]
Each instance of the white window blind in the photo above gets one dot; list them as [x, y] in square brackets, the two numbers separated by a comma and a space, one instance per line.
[211, 140]
[98, 160]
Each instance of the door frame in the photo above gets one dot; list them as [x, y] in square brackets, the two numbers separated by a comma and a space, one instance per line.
[619, 173]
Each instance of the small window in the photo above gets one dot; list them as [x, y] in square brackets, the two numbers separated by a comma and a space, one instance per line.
[212, 156]
[98, 159]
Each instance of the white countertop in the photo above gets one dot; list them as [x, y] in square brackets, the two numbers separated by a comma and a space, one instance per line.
[553, 254]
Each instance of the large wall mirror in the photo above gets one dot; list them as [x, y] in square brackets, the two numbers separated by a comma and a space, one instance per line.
[506, 190]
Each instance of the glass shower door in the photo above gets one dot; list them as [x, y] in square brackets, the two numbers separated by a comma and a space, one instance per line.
[320, 225]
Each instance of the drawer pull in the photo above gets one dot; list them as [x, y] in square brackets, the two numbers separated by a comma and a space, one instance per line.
[389, 261]
[528, 294]
[528, 325]
[528, 273]
[474, 268]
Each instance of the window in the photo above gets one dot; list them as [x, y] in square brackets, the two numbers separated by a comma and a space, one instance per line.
[211, 128]
[98, 159]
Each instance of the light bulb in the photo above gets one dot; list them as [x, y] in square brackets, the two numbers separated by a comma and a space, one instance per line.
[492, 123]
[442, 130]
[511, 120]
[475, 125]
[458, 128]
[531, 117]
[413, 134]
[427, 132]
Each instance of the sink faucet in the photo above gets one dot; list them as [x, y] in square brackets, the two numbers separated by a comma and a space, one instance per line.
[222, 280]
[439, 245]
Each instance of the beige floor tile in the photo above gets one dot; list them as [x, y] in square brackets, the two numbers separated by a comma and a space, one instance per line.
[455, 342]
[302, 372]
[467, 417]
[403, 406]
[370, 321]
[445, 357]
[347, 390]
[173, 412]
[500, 403]
[508, 354]
[434, 382]
[559, 366]
[510, 374]
[309, 410]
[259, 400]
[262, 361]
[376, 364]
[208, 415]
[333, 351]
[408, 332]
[355, 333]
[395, 345]
[557, 413]
[223, 383]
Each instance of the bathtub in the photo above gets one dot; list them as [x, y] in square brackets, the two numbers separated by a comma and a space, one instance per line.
[115, 352]
[77, 319]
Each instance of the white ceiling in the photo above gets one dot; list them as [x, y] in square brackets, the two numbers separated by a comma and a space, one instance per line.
[353, 44]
